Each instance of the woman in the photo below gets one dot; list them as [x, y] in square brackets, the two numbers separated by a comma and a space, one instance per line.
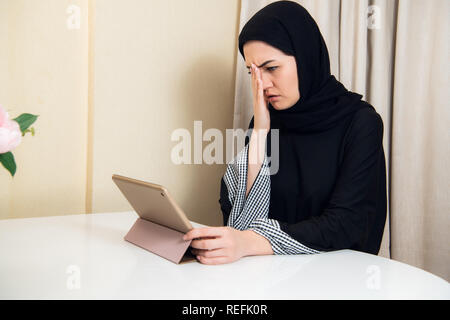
[329, 192]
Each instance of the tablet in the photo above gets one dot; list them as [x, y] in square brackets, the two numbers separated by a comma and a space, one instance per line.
[152, 202]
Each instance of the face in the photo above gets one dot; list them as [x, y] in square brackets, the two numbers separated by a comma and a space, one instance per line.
[279, 76]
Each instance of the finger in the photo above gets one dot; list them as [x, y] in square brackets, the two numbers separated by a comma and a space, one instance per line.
[253, 77]
[255, 82]
[208, 244]
[255, 74]
[260, 86]
[259, 89]
[209, 253]
[202, 233]
[214, 261]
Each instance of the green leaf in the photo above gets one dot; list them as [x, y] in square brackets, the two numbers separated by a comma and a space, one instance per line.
[25, 120]
[29, 130]
[7, 160]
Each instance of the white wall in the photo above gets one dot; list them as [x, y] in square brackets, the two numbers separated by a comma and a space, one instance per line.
[43, 71]
[109, 95]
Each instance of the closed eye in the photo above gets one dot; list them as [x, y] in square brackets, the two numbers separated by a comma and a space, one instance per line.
[268, 69]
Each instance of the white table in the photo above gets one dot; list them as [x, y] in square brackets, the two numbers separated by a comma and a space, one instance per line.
[85, 257]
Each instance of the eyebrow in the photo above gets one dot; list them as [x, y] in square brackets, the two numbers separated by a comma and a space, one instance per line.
[268, 61]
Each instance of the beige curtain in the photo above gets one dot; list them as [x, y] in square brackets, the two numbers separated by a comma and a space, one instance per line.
[394, 53]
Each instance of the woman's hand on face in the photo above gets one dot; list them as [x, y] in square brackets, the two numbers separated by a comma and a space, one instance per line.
[216, 245]
[260, 103]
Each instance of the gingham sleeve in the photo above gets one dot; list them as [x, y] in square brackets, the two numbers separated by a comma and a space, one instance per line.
[252, 212]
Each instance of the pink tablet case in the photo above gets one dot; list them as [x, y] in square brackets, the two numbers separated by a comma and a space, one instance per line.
[153, 201]
[163, 241]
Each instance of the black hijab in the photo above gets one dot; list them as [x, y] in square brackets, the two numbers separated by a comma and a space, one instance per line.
[323, 101]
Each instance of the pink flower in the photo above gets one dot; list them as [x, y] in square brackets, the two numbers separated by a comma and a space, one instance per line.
[10, 134]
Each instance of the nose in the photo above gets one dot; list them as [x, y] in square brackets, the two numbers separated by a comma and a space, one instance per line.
[267, 82]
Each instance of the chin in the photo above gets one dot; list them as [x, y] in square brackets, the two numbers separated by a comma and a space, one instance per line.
[278, 106]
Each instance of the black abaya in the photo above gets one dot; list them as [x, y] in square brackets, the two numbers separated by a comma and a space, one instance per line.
[330, 190]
